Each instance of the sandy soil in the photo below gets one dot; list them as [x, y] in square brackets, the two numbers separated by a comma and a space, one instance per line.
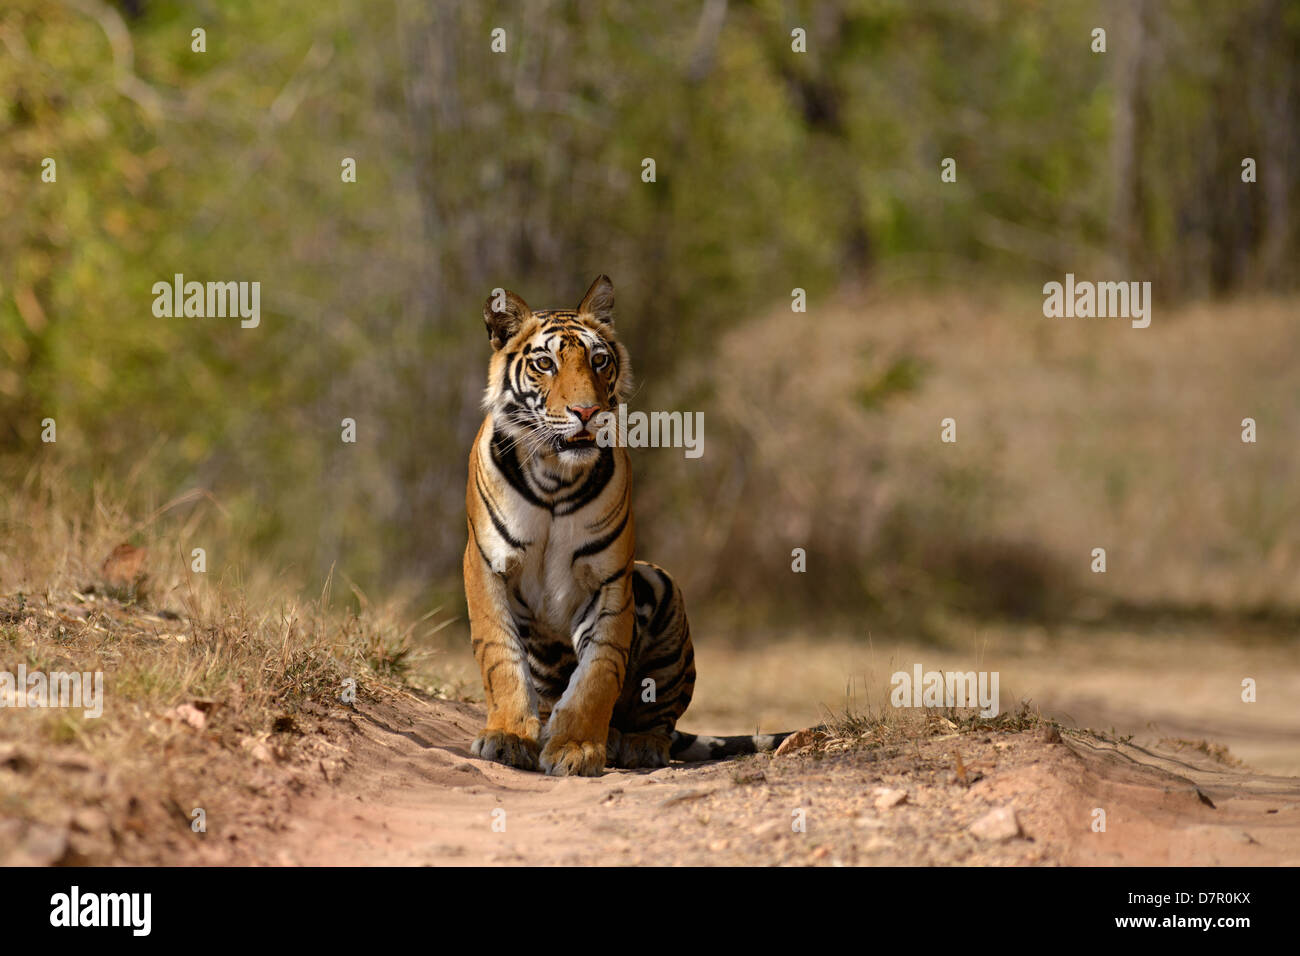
[413, 795]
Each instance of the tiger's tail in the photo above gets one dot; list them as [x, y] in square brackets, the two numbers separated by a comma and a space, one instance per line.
[696, 747]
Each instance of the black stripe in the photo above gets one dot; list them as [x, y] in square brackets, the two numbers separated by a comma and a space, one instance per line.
[659, 663]
[552, 483]
[487, 674]
[497, 523]
[548, 686]
[591, 603]
[597, 479]
[550, 654]
[642, 590]
[600, 544]
[519, 598]
[665, 690]
[506, 459]
[481, 553]
[588, 635]
[609, 642]
[665, 604]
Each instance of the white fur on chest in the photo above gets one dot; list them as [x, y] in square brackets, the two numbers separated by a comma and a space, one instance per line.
[544, 575]
[551, 589]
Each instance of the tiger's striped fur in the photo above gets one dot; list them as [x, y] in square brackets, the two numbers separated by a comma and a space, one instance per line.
[585, 652]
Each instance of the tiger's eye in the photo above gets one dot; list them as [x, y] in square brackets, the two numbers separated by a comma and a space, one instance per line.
[599, 360]
[543, 364]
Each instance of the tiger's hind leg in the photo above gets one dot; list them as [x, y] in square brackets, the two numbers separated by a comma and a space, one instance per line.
[660, 674]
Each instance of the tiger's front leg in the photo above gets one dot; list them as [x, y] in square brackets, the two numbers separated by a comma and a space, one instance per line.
[574, 738]
[512, 733]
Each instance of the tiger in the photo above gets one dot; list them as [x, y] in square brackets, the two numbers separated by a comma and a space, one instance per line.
[585, 652]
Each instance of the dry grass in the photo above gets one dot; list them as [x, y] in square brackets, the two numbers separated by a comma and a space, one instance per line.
[854, 729]
[221, 692]
[1216, 752]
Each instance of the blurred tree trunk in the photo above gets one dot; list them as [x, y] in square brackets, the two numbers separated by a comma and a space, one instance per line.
[432, 110]
[1277, 88]
[438, 376]
[1126, 140]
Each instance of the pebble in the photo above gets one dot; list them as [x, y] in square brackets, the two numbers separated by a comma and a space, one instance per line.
[997, 826]
[886, 798]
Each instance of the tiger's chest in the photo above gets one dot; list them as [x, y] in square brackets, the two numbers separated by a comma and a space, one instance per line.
[547, 586]
[556, 538]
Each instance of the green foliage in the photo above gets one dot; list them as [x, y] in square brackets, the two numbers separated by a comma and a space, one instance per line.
[522, 169]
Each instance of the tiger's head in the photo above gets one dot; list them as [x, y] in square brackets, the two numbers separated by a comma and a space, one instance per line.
[553, 373]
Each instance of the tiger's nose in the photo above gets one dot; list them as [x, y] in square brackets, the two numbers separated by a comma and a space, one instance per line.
[584, 412]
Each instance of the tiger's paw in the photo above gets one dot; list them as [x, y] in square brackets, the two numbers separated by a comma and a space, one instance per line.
[513, 750]
[635, 751]
[563, 757]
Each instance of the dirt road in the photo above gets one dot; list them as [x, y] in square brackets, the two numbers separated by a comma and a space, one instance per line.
[413, 795]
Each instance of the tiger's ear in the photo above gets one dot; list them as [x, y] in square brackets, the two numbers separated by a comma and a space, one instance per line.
[504, 313]
[599, 300]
